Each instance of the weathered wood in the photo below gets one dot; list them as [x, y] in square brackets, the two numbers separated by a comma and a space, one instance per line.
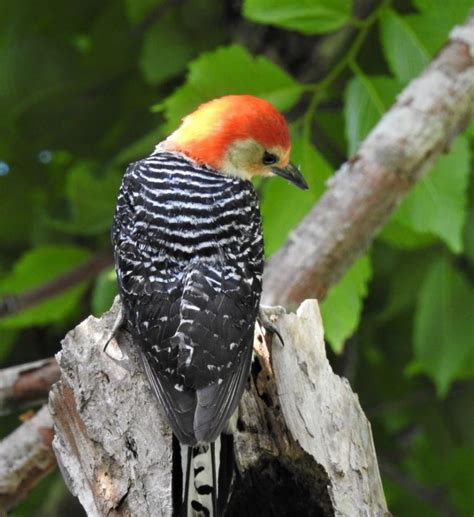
[301, 441]
[26, 384]
[25, 458]
[111, 440]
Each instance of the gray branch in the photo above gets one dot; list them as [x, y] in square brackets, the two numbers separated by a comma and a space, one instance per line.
[360, 197]
[26, 384]
[25, 458]
[300, 429]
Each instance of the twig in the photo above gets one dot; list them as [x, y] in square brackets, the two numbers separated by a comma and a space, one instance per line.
[11, 304]
[432, 496]
[428, 114]
[153, 15]
[26, 457]
[26, 384]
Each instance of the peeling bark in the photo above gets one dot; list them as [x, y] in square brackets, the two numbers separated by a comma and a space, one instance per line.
[301, 441]
[112, 442]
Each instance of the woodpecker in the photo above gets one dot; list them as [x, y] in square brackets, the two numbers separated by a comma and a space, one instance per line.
[188, 248]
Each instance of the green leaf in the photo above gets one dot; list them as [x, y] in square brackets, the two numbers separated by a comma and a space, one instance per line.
[436, 20]
[444, 326]
[139, 148]
[308, 16]
[437, 204]
[165, 51]
[104, 292]
[177, 37]
[402, 236]
[36, 267]
[404, 281]
[138, 9]
[283, 205]
[342, 307]
[405, 53]
[366, 100]
[230, 70]
[14, 193]
[469, 235]
[7, 340]
[92, 200]
[469, 132]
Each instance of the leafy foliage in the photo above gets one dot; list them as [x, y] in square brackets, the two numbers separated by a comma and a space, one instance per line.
[310, 17]
[342, 308]
[91, 200]
[34, 268]
[421, 212]
[282, 207]
[405, 53]
[205, 81]
[441, 324]
[367, 99]
[115, 77]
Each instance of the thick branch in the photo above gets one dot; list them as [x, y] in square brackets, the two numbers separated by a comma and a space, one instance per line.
[25, 458]
[302, 443]
[427, 115]
[27, 384]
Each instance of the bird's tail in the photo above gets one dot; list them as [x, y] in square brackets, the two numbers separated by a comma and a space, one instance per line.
[206, 476]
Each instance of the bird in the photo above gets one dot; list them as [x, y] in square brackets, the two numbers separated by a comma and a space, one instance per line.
[189, 254]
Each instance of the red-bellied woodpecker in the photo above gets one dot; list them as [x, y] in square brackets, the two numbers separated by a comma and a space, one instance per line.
[188, 247]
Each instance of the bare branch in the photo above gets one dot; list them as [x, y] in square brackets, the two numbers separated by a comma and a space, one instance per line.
[153, 16]
[428, 114]
[436, 498]
[11, 304]
[25, 458]
[27, 384]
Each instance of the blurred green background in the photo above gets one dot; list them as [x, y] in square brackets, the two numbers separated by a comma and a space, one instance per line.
[86, 87]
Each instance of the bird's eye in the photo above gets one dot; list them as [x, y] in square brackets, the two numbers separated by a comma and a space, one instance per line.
[269, 158]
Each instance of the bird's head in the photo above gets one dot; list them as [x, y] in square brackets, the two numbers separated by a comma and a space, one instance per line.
[238, 135]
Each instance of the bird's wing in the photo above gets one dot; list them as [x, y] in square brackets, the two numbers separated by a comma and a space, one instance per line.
[213, 349]
[219, 320]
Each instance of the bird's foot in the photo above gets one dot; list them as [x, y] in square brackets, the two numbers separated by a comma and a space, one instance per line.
[266, 318]
[122, 361]
[115, 328]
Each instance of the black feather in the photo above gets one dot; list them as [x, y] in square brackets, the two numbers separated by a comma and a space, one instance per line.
[189, 255]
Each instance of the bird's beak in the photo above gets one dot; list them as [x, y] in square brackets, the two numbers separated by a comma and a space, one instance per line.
[292, 174]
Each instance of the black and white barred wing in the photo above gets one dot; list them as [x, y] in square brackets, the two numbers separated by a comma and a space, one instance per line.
[190, 290]
[213, 350]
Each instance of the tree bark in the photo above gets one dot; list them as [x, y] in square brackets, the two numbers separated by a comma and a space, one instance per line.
[27, 384]
[360, 197]
[302, 443]
[25, 458]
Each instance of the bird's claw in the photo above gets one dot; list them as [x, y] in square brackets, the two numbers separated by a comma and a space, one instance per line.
[115, 328]
[123, 363]
[267, 323]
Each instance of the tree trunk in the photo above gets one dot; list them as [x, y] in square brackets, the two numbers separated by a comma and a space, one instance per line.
[302, 444]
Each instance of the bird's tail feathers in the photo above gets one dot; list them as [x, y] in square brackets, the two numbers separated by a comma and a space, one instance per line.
[207, 474]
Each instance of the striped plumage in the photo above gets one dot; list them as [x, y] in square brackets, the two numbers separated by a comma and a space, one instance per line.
[188, 247]
[189, 256]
